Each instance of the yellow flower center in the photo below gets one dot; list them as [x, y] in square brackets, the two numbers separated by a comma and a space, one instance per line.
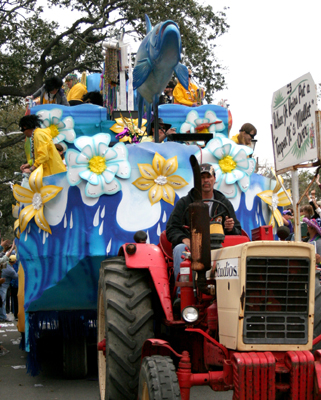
[227, 164]
[53, 131]
[97, 165]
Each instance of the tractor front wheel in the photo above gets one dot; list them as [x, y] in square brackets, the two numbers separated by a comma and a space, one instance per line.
[158, 379]
[124, 322]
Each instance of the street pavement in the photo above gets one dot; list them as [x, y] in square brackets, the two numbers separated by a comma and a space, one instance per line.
[15, 383]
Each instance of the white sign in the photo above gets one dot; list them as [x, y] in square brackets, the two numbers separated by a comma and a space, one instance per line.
[293, 123]
[227, 268]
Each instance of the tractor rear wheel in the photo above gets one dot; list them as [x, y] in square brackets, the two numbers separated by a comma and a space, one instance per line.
[158, 379]
[125, 320]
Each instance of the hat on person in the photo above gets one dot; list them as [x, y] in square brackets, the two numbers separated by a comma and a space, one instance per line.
[283, 232]
[207, 168]
[160, 121]
[287, 212]
[12, 258]
[313, 223]
[71, 77]
[170, 85]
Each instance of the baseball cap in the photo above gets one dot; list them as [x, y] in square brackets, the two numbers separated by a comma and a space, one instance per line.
[207, 168]
[287, 212]
[12, 258]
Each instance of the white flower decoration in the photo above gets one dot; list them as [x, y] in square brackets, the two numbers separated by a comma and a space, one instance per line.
[232, 165]
[98, 164]
[60, 129]
[209, 124]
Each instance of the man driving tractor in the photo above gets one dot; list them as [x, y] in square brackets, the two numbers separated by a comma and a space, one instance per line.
[176, 230]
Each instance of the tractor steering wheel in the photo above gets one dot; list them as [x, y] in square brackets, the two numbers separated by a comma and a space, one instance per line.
[220, 203]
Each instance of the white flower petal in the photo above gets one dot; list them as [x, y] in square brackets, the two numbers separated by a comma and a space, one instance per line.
[44, 115]
[55, 121]
[100, 138]
[244, 183]
[219, 127]
[232, 177]
[108, 176]
[227, 149]
[83, 141]
[113, 167]
[69, 122]
[186, 127]
[210, 115]
[241, 160]
[124, 170]
[200, 121]
[230, 191]
[85, 155]
[86, 174]
[109, 154]
[103, 188]
[192, 116]
[251, 166]
[59, 138]
[91, 177]
[71, 157]
[219, 135]
[70, 134]
[56, 113]
[73, 175]
[122, 152]
[213, 144]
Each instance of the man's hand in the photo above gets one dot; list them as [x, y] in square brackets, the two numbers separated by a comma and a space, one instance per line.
[24, 166]
[187, 242]
[229, 224]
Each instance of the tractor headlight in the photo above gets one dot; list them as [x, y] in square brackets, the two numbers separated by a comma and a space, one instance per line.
[190, 314]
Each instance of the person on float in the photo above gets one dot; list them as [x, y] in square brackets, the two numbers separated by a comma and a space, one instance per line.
[167, 97]
[43, 150]
[76, 90]
[314, 230]
[176, 231]
[51, 92]
[245, 135]
[188, 97]
[163, 131]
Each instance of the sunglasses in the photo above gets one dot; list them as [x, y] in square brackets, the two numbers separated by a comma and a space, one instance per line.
[252, 136]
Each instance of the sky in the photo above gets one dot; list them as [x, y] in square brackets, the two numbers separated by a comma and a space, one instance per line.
[268, 45]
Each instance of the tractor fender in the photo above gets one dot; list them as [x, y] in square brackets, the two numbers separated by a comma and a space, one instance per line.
[149, 256]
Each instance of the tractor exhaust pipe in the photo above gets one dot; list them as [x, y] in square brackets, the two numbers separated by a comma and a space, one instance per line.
[200, 231]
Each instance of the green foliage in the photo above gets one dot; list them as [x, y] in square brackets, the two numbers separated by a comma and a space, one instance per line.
[11, 157]
[32, 48]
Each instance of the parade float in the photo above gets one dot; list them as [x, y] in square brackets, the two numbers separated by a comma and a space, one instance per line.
[114, 186]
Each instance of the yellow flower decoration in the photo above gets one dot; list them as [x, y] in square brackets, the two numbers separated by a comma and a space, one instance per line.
[158, 179]
[123, 122]
[37, 197]
[275, 200]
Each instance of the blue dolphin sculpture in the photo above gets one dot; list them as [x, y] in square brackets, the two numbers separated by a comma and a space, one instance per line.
[157, 57]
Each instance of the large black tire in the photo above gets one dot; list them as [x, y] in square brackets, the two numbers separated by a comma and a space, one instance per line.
[125, 319]
[75, 358]
[158, 379]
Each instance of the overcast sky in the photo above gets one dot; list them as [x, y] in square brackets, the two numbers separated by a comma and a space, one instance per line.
[268, 45]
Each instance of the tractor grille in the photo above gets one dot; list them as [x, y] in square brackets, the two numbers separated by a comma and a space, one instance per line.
[276, 300]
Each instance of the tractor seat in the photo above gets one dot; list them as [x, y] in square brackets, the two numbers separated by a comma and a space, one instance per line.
[166, 246]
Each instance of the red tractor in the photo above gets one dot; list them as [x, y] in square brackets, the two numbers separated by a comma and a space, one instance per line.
[244, 319]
